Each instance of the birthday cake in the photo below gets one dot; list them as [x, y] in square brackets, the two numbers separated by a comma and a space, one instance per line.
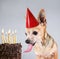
[8, 49]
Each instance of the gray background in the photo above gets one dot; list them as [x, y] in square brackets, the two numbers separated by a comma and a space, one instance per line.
[12, 16]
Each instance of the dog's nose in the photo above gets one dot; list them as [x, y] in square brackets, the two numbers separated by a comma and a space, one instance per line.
[27, 41]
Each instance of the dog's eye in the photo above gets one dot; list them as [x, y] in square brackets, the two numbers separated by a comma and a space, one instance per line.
[26, 34]
[35, 32]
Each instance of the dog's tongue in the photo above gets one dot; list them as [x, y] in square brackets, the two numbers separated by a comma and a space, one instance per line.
[29, 48]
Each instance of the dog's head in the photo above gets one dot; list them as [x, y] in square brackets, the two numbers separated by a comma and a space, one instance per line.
[37, 34]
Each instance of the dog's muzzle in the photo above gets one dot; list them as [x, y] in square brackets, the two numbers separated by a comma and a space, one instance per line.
[27, 41]
[30, 45]
[30, 42]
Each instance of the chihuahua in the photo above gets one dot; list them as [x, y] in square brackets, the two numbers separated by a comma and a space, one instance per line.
[43, 44]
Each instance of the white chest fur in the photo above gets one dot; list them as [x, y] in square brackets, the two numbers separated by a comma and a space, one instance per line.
[45, 50]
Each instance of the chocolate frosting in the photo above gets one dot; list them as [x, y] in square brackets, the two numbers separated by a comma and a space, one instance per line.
[10, 51]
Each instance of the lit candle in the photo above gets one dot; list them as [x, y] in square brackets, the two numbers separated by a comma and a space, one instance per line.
[14, 39]
[6, 38]
[9, 32]
[2, 36]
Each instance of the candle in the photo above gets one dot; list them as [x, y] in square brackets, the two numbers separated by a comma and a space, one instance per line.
[9, 32]
[2, 36]
[14, 39]
[6, 38]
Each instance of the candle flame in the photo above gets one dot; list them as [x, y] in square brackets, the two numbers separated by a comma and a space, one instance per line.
[9, 31]
[2, 30]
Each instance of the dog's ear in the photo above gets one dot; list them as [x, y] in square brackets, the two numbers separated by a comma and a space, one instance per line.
[42, 17]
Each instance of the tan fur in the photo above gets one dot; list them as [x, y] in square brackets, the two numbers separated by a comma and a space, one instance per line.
[53, 55]
[42, 11]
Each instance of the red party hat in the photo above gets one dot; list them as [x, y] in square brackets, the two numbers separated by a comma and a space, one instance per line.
[30, 20]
